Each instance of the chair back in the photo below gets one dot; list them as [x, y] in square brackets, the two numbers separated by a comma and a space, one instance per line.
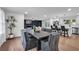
[53, 41]
[24, 37]
[56, 27]
[51, 27]
[62, 28]
[28, 41]
[23, 40]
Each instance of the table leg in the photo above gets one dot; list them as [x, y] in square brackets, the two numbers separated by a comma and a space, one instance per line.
[39, 45]
[64, 33]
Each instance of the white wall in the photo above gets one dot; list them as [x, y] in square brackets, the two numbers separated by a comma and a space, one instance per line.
[77, 20]
[19, 24]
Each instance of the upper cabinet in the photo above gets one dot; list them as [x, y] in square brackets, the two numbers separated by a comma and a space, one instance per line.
[30, 23]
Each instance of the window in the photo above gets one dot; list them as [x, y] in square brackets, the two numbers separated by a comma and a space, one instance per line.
[2, 26]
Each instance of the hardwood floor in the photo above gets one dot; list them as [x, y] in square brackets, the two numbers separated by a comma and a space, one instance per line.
[12, 45]
[69, 43]
[65, 44]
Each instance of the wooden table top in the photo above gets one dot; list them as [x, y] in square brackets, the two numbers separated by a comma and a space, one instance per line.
[40, 34]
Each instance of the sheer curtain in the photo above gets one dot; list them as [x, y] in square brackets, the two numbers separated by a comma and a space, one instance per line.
[2, 27]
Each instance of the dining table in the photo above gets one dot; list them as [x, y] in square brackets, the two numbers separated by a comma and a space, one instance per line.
[39, 35]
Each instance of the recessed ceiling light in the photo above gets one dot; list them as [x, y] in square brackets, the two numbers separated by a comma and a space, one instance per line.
[69, 9]
[77, 13]
[26, 12]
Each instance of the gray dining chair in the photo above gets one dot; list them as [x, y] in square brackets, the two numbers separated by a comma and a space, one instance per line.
[23, 40]
[52, 43]
[28, 42]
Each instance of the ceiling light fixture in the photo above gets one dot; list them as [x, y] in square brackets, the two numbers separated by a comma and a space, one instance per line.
[77, 13]
[26, 12]
[69, 9]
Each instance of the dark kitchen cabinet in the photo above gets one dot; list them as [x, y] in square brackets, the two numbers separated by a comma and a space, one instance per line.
[30, 23]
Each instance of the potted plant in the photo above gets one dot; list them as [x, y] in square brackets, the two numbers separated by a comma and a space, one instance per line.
[73, 21]
[68, 22]
[11, 25]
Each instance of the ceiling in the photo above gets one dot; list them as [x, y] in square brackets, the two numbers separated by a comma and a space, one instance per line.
[41, 11]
